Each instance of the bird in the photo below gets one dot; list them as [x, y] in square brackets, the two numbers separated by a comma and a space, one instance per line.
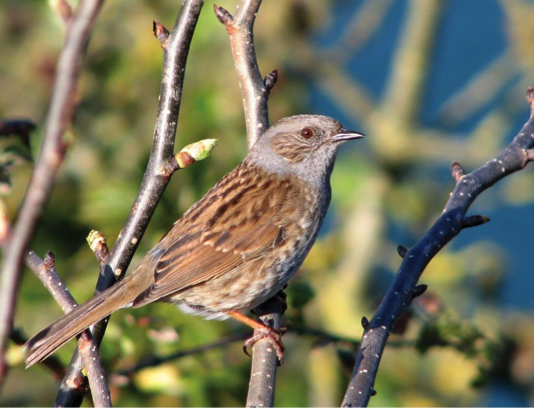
[239, 245]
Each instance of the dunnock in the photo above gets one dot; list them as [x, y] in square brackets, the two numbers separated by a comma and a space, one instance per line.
[236, 247]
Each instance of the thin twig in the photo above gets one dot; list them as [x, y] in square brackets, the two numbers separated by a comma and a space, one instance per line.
[45, 270]
[155, 179]
[59, 118]
[452, 221]
[154, 361]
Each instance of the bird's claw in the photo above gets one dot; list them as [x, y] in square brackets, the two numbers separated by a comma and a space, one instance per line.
[274, 336]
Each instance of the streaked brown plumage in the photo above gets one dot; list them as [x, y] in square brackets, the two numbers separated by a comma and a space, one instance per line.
[238, 245]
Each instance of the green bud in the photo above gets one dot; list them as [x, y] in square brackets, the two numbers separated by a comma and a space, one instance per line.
[200, 150]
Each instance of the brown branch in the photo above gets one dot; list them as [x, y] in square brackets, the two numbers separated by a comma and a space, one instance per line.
[253, 89]
[59, 118]
[452, 221]
[154, 181]
[45, 270]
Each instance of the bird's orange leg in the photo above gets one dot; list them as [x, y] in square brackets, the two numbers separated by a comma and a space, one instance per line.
[263, 332]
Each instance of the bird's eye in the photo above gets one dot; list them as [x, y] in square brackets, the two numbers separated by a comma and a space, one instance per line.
[307, 133]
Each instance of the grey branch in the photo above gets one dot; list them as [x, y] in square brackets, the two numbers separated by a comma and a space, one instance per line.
[265, 361]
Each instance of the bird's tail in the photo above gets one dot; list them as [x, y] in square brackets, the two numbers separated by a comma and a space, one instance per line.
[54, 336]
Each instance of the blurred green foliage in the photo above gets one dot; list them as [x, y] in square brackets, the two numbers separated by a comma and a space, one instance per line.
[386, 189]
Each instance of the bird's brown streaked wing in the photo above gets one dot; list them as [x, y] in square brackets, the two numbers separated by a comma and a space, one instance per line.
[178, 273]
[241, 232]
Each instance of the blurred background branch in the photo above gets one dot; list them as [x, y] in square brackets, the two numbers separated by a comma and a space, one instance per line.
[54, 146]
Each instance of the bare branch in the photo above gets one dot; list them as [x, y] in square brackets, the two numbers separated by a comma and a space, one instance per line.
[448, 225]
[265, 361]
[46, 272]
[88, 350]
[59, 118]
[253, 89]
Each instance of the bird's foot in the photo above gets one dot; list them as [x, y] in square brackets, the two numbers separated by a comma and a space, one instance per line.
[274, 336]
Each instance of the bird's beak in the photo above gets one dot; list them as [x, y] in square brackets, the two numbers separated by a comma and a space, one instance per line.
[346, 134]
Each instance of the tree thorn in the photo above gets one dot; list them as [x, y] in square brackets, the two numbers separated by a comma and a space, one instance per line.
[364, 322]
[402, 250]
[418, 290]
[373, 393]
[529, 154]
[474, 221]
